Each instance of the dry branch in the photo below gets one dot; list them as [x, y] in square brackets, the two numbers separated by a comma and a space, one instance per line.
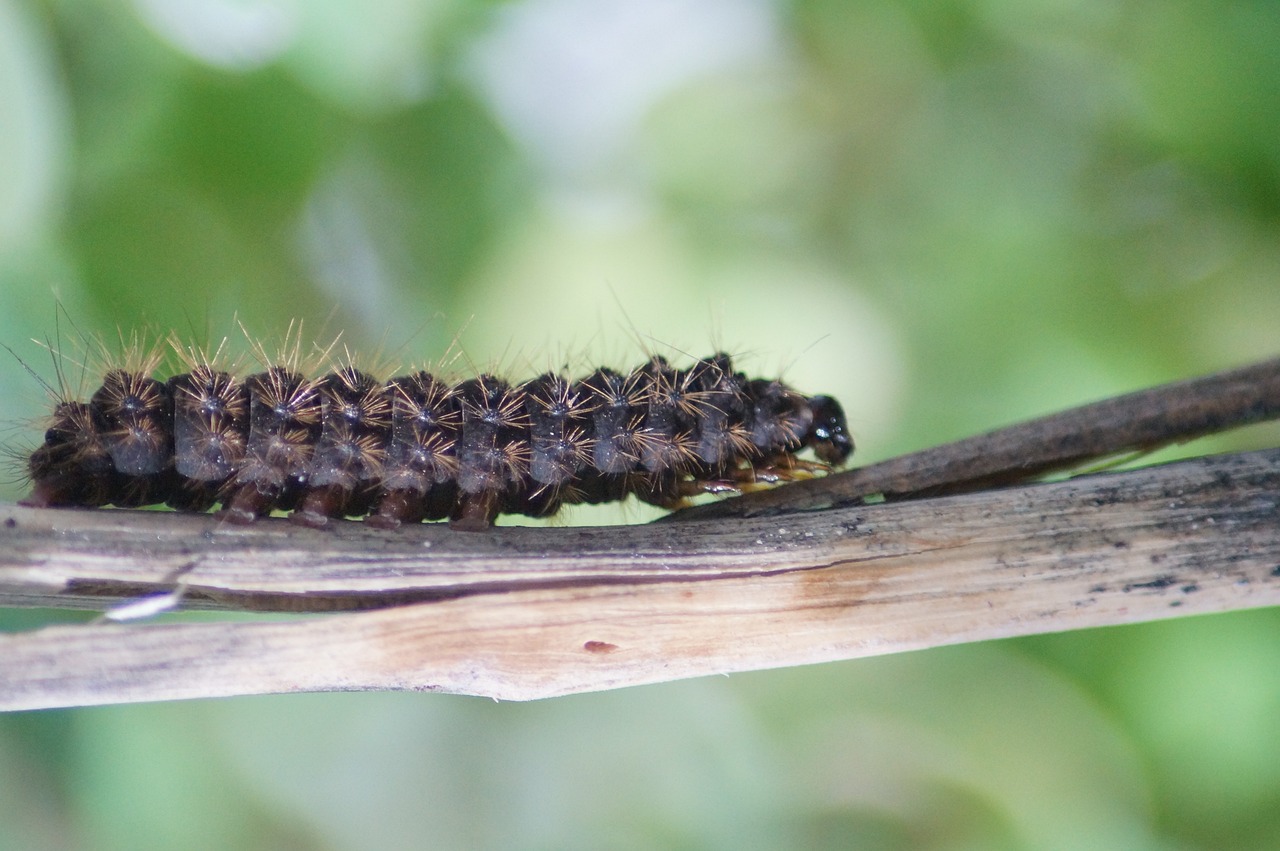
[526, 613]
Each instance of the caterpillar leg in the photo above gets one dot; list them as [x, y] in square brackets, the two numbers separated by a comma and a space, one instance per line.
[395, 508]
[247, 503]
[319, 505]
[475, 512]
[784, 468]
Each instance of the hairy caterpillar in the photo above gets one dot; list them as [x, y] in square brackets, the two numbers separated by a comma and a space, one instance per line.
[419, 448]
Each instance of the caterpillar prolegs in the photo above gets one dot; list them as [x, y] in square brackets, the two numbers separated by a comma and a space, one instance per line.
[419, 448]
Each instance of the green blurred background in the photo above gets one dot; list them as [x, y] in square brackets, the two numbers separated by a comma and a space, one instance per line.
[950, 215]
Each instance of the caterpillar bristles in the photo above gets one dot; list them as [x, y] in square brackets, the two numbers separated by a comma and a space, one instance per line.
[416, 446]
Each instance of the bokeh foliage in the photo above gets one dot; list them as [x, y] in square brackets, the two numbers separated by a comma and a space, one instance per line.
[951, 215]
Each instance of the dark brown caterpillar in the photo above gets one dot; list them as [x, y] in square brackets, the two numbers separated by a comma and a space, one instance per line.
[416, 447]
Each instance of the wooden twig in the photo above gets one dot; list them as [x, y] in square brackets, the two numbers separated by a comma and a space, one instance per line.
[527, 613]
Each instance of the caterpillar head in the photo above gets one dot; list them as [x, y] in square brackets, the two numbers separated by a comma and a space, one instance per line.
[829, 433]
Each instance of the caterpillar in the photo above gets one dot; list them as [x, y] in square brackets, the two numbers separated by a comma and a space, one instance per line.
[417, 447]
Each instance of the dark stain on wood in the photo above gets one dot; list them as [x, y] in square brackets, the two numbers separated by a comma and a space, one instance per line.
[1156, 584]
